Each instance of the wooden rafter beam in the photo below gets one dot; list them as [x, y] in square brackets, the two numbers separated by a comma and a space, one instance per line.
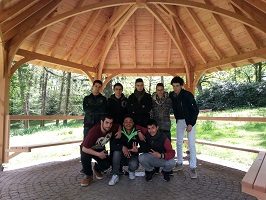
[20, 7]
[49, 59]
[249, 10]
[40, 37]
[38, 14]
[213, 9]
[253, 39]
[258, 4]
[169, 51]
[83, 34]
[64, 32]
[172, 11]
[142, 70]
[118, 51]
[134, 40]
[204, 32]
[152, 41]
[10, 24]
[118, 13]
[108, 45]
[176, 39]
[168, 30]
[225, 31]
[233, 59]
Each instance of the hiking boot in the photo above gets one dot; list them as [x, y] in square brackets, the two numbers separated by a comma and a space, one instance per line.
[193, 173]
[166, 176]
[113, 180]
[86, 181]
[149, 175]
[131, 175]
[157, 170]
[98, 174]
[179, 167]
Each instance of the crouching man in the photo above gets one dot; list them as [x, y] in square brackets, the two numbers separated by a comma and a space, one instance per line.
[158, 152]
[93, 146]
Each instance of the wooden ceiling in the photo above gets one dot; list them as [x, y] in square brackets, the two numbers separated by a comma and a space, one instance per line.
[104, 38]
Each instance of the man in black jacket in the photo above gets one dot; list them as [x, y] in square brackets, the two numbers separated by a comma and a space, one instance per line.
[186, 112]
[140, 104]
[117, 104]
[94, 107]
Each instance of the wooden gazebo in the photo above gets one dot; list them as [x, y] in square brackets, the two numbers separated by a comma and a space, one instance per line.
[106, 38]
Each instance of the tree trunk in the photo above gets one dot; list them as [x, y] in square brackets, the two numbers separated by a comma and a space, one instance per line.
[162, 80]
[67, 95]
[24, 94]
[44, 80]
[61, 96]
[150, 82]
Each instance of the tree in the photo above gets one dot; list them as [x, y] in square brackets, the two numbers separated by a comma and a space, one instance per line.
[61, 96]
[43, 81]
[67, 95]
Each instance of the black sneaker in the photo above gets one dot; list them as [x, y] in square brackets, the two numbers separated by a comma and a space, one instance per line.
[166, 176]
[157, 170]
[149, 175]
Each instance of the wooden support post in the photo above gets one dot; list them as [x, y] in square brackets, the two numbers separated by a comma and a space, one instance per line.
[190, 84]
[4, 109]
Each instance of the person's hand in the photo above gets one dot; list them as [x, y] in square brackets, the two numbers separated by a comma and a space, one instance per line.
[102, 154]
[141, 136]
[189, 128]
[126, 152]
[155, 154]
[134, 148]
[118, 134]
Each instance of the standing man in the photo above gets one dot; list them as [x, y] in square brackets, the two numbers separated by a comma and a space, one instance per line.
[161, 107]
[94, 107]
[93, 146]
[186, 112]
[117, 104]
[158, 152]
[140, 104]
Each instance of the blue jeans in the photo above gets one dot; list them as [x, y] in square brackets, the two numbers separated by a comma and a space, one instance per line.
[180, 130]
[119, 158]
[148, 161]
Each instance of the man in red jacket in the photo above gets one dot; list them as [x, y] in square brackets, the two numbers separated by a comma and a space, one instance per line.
[158, 152]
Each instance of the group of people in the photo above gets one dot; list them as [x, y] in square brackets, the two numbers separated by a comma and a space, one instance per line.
[138, 130]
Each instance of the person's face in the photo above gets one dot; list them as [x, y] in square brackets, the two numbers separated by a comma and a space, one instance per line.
[139, 86]
[160, 91]
[96, 88]
[152, 129]
[128, 123]
[106, 124]
[118, 91]
[176, 87]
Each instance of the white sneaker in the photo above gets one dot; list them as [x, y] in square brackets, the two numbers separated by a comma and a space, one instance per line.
[114, 180]
[131, 175]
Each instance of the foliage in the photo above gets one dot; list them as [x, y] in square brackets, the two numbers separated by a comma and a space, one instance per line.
[233, 95]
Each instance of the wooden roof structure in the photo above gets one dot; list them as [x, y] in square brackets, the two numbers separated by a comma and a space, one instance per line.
[106, 38]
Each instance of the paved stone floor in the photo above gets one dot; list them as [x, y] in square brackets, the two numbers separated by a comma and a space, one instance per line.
[60, 180]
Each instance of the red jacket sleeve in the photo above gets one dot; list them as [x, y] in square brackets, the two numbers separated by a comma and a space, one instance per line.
[169, 151]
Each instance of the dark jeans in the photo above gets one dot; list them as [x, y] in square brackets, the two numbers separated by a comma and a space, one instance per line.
[86, 130]
[100, 165]
[119, 159]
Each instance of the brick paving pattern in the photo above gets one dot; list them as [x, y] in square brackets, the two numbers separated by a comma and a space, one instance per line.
[60, 180]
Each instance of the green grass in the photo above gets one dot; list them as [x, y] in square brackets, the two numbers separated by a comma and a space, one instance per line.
[245, 134]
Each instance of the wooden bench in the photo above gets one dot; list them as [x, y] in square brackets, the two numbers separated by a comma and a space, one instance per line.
[19, 149]
[254, 182]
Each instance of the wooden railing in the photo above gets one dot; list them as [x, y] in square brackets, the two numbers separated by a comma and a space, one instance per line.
[20, 149]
